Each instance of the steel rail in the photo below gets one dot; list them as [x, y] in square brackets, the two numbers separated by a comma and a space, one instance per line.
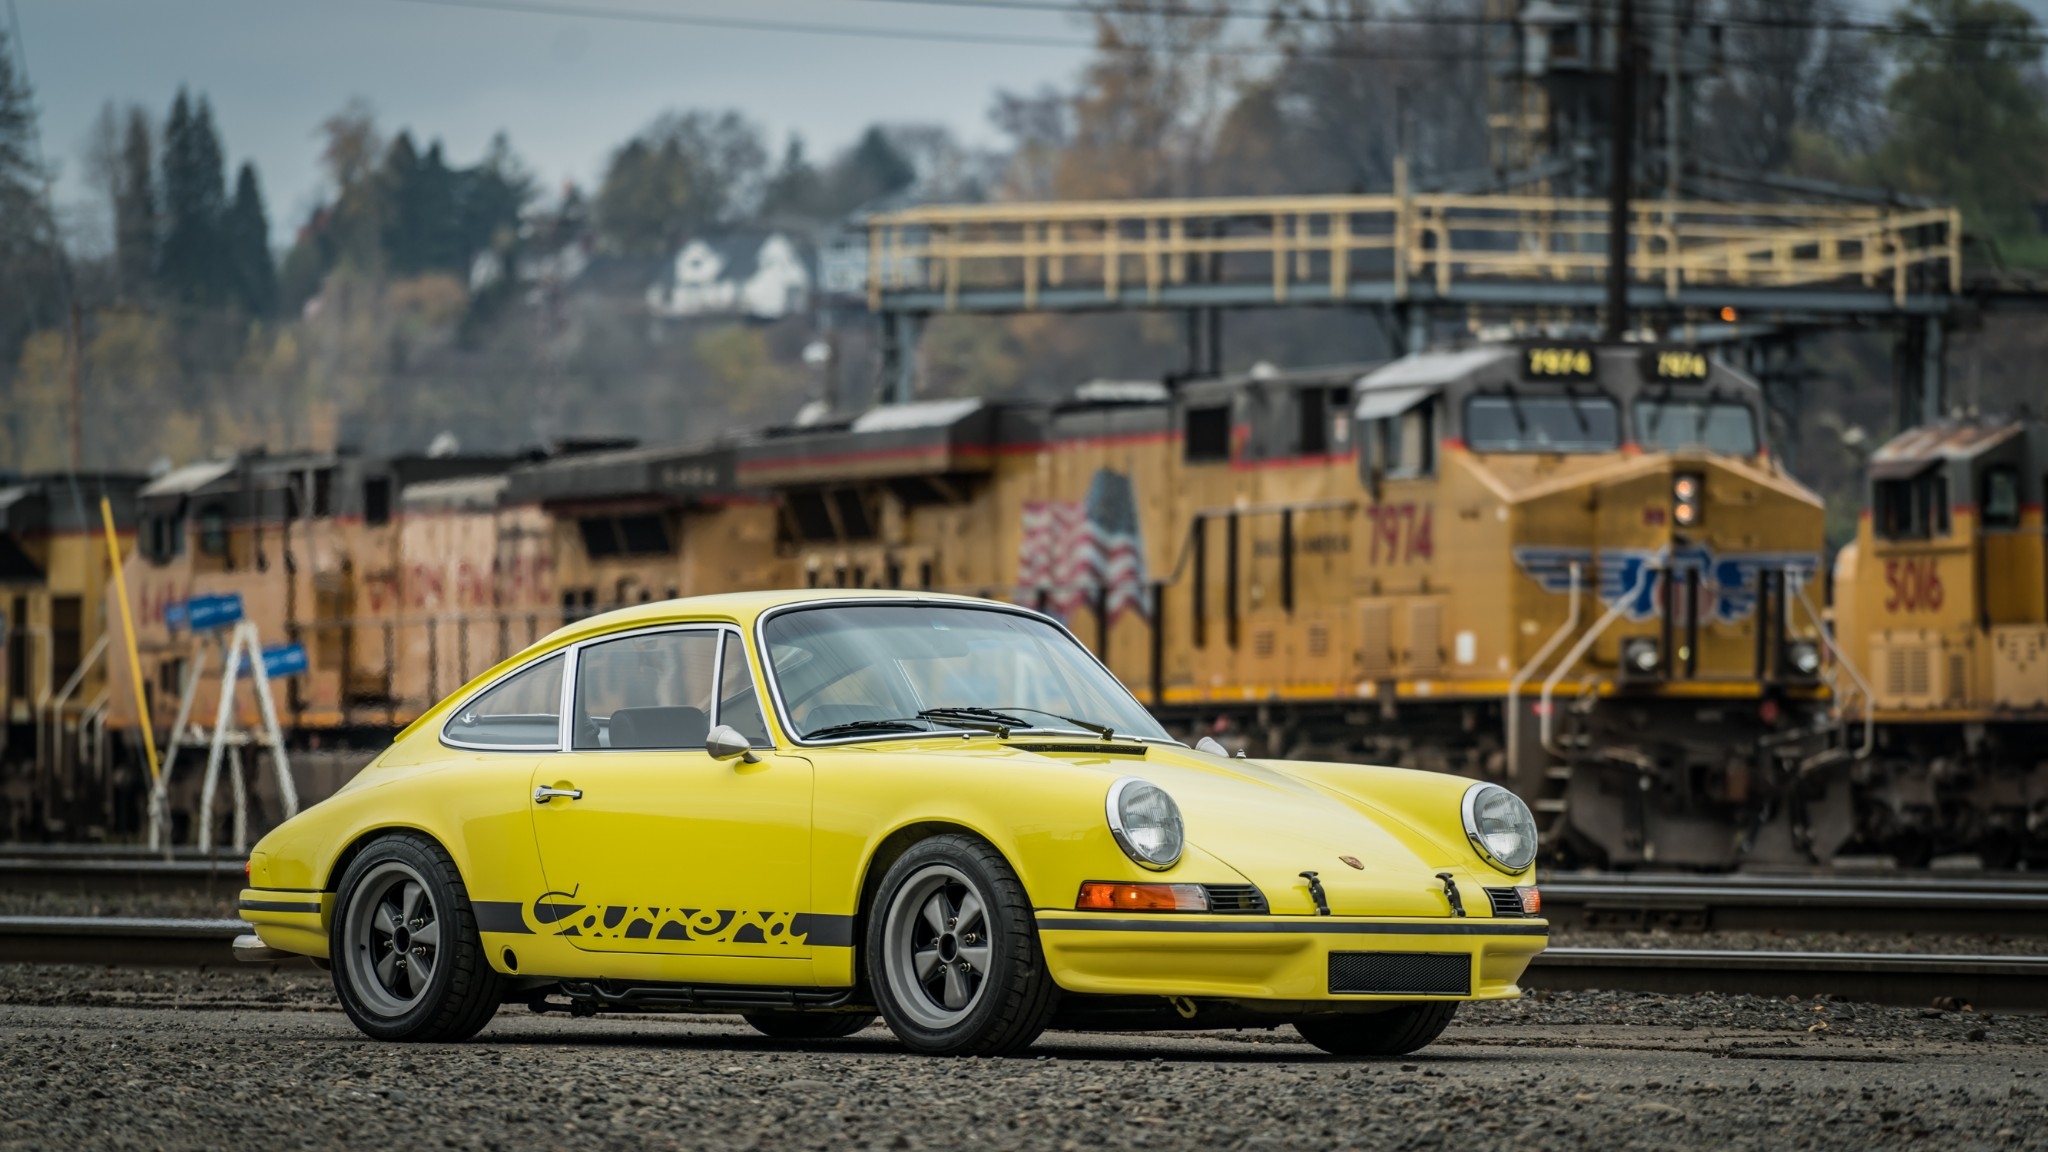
[131, 942]
[2004, 906]
[1988, 983]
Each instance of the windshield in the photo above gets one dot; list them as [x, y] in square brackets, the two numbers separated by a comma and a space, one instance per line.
[1524, 423]
[1716, 425]
[843, 668]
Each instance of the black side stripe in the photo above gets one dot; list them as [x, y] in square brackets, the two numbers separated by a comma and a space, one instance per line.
[499, 916]
[279, 906]
[1305, 925]
[822, 930]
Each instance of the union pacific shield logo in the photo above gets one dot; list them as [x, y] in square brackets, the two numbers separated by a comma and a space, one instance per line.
[1727, 583]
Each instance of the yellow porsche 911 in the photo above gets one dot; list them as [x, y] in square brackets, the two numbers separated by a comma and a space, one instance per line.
[808, 808]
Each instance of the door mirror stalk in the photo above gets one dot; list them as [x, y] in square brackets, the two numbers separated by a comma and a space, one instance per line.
[725, 742]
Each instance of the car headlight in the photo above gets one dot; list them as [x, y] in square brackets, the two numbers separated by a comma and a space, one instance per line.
[1146, 823]
[1500, 827]
[1804, 656]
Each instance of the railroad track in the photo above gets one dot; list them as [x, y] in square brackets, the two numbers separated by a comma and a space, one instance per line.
[1989, 983]
[1922, 903]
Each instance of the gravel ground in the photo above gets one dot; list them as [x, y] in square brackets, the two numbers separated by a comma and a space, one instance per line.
[263, 1060]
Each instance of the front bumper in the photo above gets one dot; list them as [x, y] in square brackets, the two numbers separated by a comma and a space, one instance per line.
[1274, 957]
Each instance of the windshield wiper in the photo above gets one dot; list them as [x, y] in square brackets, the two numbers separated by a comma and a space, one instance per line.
[993, 720]
[904, 725]
[1102, 730]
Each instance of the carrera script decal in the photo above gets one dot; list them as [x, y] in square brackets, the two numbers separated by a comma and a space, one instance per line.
[1727, 583]
[562, 914]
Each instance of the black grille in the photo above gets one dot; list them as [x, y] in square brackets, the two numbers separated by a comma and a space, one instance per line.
[1235, 898]
[1402, 973]
[1506, 901]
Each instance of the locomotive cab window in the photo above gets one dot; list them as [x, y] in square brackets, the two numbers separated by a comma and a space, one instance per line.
[1912, 507]
[2001, 496]
[1722, 427]
[1403, 445]
[1208, 434]
[1520, 422]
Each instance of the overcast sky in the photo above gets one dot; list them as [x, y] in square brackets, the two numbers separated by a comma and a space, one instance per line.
[567, 89]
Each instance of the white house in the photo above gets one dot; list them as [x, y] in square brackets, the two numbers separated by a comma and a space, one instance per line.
[763, 277]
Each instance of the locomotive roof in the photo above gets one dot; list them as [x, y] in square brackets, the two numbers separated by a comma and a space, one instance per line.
[1618, 369]
[704, 468]
[1917, 449]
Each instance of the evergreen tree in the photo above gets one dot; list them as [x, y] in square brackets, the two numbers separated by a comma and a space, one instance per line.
[135, 209]
[403, 229]
[190, 265]
[247, 236]
[31, 268]
[872, 170]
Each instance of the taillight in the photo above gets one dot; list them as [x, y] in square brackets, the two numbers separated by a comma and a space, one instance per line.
[1106, 896]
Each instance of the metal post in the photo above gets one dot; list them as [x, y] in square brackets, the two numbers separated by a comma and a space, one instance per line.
[1621, 164]
[266, 707]
[1933, 375]
[223, 720]
[899, 356]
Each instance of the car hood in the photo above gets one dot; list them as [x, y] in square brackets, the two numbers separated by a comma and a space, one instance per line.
[1271, 820]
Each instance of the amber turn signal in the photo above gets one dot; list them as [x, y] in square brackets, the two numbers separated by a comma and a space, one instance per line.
[1532, 900]
[1105, 896]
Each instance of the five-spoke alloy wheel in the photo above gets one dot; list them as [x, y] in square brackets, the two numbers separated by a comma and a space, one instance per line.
[408, 963]
[952, 951]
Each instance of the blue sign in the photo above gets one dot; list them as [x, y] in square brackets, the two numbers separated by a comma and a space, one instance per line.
[174, 615]
[206, 613]
[284, 660]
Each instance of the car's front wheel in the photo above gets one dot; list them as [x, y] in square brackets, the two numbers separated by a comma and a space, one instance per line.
[407, 960]
[952, 952]
[1395, 1032]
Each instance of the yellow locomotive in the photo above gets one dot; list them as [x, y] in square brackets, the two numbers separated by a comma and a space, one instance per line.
[1942, 603]
[1573, 568]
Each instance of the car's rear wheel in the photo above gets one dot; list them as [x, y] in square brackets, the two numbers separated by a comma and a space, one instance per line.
[407, 960]
[807, 1025]
[1395, 1032]
[952, 952]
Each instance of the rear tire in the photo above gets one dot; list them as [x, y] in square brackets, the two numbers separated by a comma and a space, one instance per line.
[807, 1025]
[952, 952]
[407, 960]
[1396, 1032]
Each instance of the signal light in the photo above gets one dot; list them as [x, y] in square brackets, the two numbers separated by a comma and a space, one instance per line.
[1532, 900]
[1728, 315]
[1107, 896]
[1687, 492]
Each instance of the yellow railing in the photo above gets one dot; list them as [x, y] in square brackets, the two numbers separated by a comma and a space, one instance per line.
[1129, 250]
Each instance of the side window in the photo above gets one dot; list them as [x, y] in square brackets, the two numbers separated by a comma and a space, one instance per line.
[522, 711]
[647, 691]
[738, 704]
[1208, 434]
[2001, 496]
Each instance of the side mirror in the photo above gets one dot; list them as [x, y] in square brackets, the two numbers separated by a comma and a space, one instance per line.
[725, 742]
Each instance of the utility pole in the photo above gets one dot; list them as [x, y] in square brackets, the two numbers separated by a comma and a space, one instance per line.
[77, 389]
[1621, 160]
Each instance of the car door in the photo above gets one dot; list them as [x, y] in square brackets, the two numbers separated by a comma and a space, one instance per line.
[650, 845]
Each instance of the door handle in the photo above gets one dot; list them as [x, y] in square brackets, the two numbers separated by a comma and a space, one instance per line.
[543, 793]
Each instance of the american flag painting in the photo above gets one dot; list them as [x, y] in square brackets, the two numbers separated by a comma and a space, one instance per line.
[1074, 549]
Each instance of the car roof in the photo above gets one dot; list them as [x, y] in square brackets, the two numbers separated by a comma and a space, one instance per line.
[743, 607]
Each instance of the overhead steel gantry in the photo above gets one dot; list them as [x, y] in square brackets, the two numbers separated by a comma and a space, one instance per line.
[1415, 258]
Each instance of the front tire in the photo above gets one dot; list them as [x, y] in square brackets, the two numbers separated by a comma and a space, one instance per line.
[952, 952]
[807, 1025]
[1395, 1032]
[408, 962]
